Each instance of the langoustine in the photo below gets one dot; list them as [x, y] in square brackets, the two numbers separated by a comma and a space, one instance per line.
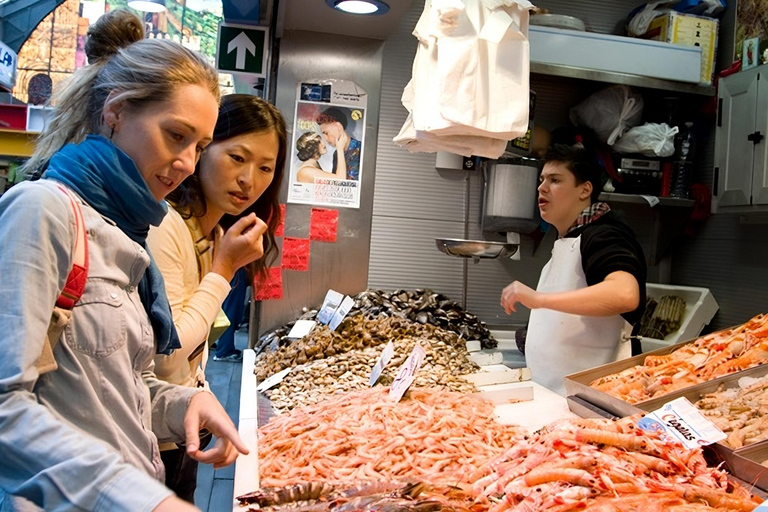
[706, 358]
[606, 466]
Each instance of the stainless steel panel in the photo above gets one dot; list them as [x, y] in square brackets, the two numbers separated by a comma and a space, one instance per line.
[342, 265]
[746, 465]
[403, 255]
[728, 258]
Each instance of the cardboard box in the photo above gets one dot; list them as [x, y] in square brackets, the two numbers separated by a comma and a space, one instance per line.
[688, 30]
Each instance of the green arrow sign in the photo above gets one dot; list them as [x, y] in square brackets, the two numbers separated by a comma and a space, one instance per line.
[242, 49]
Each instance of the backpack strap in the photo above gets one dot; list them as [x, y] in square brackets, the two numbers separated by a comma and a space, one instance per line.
[73, 289]
[75, 285]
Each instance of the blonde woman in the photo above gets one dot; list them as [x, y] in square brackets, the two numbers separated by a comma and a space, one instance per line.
[127, 130]
[223, 218]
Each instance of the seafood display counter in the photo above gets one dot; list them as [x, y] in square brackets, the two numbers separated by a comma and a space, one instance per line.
[545, 408]
[720, 373]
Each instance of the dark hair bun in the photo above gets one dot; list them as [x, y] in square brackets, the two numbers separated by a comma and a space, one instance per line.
[114, 30]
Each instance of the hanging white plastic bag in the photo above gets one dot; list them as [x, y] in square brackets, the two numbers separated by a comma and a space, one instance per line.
[609, 113]
[651, 140]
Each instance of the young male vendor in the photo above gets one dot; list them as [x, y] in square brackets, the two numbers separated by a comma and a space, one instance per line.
[592, 288]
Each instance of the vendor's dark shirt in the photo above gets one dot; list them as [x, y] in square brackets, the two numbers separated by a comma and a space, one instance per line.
[608, 245]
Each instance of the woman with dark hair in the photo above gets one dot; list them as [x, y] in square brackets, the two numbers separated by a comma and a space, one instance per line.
[224, 218]
[309, 148]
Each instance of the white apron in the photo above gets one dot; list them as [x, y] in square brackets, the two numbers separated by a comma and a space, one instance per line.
[559, 344]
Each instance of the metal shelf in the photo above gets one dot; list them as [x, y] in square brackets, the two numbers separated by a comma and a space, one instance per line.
[638, 199]
[622, 79]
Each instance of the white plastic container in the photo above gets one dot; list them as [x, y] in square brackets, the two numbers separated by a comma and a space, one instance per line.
[700, 307]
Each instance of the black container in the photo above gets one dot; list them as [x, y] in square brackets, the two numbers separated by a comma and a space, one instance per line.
[685, 155]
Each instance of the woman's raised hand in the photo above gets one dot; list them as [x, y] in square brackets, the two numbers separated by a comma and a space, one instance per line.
[240, 245]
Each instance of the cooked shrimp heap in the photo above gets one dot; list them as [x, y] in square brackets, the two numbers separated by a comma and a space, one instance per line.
[432, 436]
[707, 358]
[740, 412]
[607, 466]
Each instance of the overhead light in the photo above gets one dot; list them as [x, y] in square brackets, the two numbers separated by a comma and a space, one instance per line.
[359, 6]
[147, 5]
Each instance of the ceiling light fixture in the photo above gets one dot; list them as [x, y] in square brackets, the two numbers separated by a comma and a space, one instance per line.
[369, 7]
[147, 5]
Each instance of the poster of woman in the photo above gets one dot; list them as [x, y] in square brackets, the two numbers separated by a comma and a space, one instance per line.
[327, 149]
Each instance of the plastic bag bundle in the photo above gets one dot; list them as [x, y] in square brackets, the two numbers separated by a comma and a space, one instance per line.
[650, 140]
[470, 82]
[609, 113]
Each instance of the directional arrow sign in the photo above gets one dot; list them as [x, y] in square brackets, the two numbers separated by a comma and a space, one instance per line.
[242, 49]
[241, 44]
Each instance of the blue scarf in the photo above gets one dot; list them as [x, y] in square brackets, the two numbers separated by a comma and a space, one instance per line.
[108, 180]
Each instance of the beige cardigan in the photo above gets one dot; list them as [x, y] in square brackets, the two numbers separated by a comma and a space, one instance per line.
[195, 297]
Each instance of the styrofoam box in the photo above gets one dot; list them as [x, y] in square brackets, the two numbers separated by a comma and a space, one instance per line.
[616, 54]
[700, 307]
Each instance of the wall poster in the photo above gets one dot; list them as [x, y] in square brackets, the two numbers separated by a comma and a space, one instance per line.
[327, 144]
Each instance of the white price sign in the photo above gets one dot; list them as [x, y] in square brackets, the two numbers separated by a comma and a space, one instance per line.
[407, 373]
[682, 422]
[382, 363]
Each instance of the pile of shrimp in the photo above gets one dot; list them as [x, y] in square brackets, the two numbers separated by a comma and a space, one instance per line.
[604, 465]
[431, 435]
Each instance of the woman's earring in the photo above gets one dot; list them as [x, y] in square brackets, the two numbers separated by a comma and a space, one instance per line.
[112, 133]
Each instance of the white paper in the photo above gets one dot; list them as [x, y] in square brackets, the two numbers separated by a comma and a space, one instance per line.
[682, 422]
[496, 26]
[382, 363]
[652, 200]
[331, 302]
[274, 380]
[407, 373]
[341, 312]
[301, 328]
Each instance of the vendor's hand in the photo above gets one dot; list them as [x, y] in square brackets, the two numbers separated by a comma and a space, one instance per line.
[175, 504]
[516, 293]
[240, 245]
[205, 411]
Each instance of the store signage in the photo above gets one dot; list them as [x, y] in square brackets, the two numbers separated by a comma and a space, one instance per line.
[407, 373]
[242, 49]
[682, 422]
[382, 363]
[7, 66]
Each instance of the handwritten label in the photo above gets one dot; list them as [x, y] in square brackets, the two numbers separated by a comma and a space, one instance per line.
[680, 421]
[341, 312]
[407, 373]
[273, 380]
[382, 363]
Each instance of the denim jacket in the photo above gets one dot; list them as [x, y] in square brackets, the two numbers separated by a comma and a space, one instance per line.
[84, 437]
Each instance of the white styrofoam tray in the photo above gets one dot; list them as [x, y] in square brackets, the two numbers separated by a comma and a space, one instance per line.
[700, 307]
[616, 54]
